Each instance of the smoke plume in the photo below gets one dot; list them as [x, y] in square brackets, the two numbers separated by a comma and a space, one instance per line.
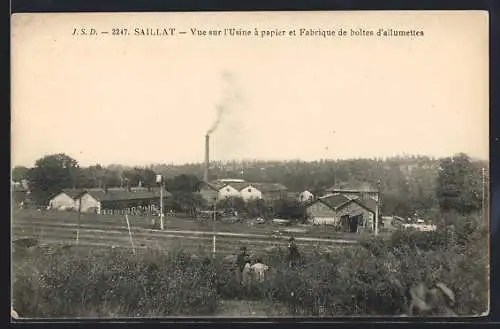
[229, 97]
[220, 113]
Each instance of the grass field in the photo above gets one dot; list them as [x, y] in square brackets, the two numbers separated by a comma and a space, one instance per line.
[179, 223]
[51, 227]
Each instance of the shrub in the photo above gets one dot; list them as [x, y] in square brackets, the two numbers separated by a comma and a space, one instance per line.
[373, 278]
[370, 278]
[115, 283]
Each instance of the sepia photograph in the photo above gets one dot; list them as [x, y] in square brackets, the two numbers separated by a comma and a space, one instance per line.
[250, 165]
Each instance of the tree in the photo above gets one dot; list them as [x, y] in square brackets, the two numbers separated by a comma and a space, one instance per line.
[256, 208]
[183, 188]
[19, 173]
[289, 209]
[51, 174]
[145, 176]
[188, 203]
[91, 177]
[111, 178]
[233, 204]
[183, 183]
[458, 185]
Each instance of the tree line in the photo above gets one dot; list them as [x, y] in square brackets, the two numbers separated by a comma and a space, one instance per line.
[409, 185]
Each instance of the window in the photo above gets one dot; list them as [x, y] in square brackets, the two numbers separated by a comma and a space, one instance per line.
[227, 190]
[249, 190]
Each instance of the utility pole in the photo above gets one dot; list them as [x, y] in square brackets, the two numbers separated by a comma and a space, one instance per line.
[213, 228]
[214, 216]
[161, 206]
[377, 207]
[159, 180]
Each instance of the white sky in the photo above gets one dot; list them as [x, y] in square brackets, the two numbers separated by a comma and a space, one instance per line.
[139, 100]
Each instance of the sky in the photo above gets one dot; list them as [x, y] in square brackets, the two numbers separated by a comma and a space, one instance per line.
[138, 100]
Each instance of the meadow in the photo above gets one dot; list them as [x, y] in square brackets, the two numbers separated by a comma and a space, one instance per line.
[369, 278]
[188, 234]
[176, 222]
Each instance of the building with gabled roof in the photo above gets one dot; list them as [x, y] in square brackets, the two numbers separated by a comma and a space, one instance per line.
[65, 200]
[96, 199]
[349, 213]
[247, 190]
[209, 192]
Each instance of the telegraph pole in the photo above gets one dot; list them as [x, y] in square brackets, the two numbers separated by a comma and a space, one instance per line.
[161, 206]
[377, 207]
[213, 228]
[159, 180]
[214, 219]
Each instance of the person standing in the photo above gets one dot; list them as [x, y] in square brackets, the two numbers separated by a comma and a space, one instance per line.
[240, 263]
[293, 255]
[246, 275]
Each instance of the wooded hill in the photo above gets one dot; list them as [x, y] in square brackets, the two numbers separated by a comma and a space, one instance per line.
[409, 185]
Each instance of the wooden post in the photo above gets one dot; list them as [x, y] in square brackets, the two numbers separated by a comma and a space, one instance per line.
[161, 205]
[377, 207]
[79, 218]
[130, 234]
[213, 228]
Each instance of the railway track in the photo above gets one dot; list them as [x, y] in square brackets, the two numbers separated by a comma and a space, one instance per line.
[100, 228]
[171, 223]
[110, 232]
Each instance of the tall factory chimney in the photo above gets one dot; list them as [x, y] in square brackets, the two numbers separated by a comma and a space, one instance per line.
[207, 157]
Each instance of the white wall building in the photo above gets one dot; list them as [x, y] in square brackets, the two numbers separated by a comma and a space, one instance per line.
[228, 192]
[250, 192]
[62, 201]
[89, 204]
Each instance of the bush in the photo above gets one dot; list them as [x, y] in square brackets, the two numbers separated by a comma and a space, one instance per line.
[115, 283]
[368, 279]
[373, 278]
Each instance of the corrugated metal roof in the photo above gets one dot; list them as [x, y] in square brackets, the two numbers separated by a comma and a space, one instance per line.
[118, 195]
[338, 200]
[269, 187]
[263, 187]
[354, 187]
[73, 193]
[335, 201]
[367, 203]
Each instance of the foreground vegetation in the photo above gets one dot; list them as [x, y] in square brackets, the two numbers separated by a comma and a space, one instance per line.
[368, 279]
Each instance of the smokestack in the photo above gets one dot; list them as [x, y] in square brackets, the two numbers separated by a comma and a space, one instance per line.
[207, 157]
